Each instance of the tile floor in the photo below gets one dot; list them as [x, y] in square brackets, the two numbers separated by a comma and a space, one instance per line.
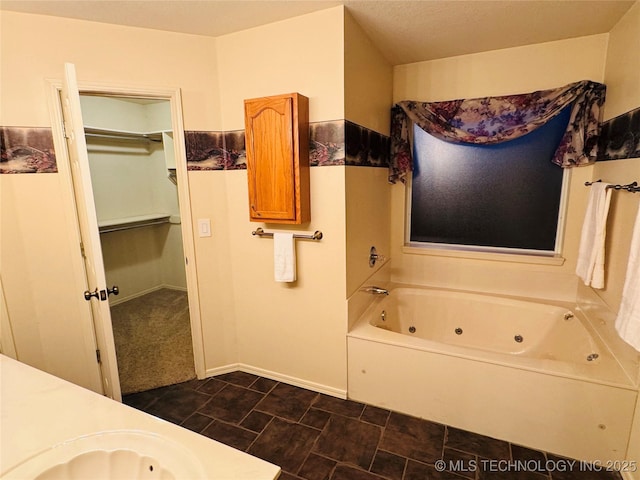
[312, 436]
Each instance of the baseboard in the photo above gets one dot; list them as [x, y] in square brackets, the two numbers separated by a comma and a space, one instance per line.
[113, 301]
[212, 372]
[297, 382]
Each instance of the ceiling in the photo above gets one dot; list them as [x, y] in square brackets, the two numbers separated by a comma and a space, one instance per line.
[405, 31]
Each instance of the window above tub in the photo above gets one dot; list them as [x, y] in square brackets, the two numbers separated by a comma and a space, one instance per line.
[502, 198]
[486, 176]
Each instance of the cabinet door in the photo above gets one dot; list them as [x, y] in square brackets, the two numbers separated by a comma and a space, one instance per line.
[274, 127]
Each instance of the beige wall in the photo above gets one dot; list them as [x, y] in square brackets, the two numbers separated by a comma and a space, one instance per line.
[103, 53]
[368, 81]
[305, 321]
[622, 76]
[42, 272]
[303, 54]
[502, 72]
[499, 72]
[368, 210]
[295, 331]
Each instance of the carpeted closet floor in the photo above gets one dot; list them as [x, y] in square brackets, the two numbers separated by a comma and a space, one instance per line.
[152, 334]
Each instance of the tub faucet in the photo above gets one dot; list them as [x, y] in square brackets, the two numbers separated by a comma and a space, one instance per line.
[376, 290]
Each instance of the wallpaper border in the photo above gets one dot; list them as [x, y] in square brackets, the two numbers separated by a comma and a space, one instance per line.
[620, 137]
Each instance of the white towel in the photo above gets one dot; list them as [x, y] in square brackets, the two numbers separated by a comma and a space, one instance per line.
[628, 320]
[590, 266]
[284, 257]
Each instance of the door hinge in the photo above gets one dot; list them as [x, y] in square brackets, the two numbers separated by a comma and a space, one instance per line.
[64, 130]
[98, 356]
[82, 250]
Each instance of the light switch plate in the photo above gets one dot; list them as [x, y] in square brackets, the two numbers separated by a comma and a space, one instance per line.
[204, 227]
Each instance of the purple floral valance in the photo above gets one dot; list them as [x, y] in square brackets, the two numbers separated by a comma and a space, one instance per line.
[492, 120]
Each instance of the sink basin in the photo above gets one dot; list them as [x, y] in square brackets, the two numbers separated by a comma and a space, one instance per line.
[120, 454]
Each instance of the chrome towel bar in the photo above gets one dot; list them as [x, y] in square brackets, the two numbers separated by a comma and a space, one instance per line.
[630, 187]
[317, 235]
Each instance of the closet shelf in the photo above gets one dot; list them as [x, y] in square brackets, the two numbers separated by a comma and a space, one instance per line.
[123, 134]
[127, 223]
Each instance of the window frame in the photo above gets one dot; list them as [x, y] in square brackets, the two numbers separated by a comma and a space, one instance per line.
[486, 252]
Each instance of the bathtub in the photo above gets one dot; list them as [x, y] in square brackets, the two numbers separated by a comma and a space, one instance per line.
[533, 373]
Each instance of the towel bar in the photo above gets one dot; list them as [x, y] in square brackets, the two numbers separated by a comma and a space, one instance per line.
[630, 187]
[317, 235]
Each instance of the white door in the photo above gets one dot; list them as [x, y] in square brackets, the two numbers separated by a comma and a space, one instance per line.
[97, 293]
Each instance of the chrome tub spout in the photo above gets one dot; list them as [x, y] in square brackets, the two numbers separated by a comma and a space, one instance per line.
[376, 290]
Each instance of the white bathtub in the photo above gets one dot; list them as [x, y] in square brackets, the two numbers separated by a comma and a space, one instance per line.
[536, 374]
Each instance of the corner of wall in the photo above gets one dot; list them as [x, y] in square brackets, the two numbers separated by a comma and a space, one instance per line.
[622, 77]
[7, 344]
[368, 80]
[303, 54]
[622, 67]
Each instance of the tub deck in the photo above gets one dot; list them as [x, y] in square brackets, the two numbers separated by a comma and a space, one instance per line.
[559, 401]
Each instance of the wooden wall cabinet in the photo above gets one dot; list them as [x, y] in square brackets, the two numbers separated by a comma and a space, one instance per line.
[277, 143]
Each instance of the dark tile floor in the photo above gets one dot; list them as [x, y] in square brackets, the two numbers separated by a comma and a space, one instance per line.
[312, 436]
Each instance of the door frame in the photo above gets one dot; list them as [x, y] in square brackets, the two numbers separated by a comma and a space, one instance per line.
[174, 96]
[7, 344]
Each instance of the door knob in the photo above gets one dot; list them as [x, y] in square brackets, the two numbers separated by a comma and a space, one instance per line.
[115, 290]
[88, 294]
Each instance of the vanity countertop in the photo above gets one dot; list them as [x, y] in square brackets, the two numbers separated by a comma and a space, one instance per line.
[39, 411]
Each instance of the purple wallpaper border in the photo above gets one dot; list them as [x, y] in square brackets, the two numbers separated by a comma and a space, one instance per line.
[27, 150]
[365, 147]
[620, 137]
[336, 142]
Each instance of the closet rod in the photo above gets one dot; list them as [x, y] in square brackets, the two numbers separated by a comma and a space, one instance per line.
[630, 187]
[105, 133]
[131, 224]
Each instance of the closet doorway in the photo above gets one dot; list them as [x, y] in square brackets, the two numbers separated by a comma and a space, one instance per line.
[107, 136]
[133, 174]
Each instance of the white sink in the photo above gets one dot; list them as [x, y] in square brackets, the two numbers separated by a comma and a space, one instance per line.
[119, 454]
